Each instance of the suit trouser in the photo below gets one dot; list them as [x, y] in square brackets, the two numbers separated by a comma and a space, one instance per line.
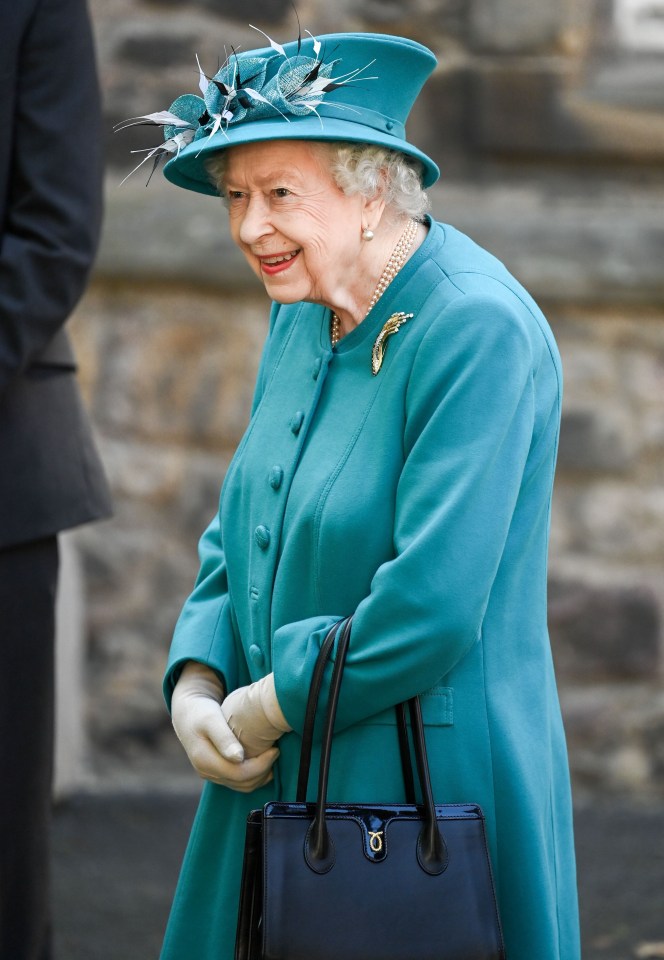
[28, 580]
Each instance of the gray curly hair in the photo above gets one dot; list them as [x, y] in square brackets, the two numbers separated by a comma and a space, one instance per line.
[361, 168]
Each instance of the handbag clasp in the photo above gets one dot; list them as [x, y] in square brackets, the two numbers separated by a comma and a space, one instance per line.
[376, 840]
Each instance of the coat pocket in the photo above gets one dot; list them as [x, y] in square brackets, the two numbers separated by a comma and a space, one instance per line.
[437, 709]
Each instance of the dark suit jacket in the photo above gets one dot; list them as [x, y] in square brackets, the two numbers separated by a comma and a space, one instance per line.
[50, 213]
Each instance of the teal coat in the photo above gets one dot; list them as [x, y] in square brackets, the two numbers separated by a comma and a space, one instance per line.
[418, 500]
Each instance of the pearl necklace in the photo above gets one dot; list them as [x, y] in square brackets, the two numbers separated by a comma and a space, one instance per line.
[397, 260]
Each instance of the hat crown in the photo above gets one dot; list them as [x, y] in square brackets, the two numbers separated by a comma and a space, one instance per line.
[384, 71]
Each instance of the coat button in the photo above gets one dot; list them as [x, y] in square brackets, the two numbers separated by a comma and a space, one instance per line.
[315, 370]
[257, 655]
[296, 422]
[262, 537]
[276, 477]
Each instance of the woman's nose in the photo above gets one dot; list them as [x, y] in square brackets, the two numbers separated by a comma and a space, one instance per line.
[255, 221]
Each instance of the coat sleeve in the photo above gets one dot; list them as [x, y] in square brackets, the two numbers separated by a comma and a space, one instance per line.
[204, 630]
[53, 210]
[468, 429]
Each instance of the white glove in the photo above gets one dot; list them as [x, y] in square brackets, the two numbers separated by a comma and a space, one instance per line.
[214, 751]
[254, 716]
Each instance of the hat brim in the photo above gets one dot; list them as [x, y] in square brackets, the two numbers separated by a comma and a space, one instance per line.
[188, 169]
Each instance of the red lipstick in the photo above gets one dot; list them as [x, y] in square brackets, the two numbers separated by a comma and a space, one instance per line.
[278, 262]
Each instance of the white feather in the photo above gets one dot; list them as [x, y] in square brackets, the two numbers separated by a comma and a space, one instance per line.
[317, 43]
[259, 96]
[275, 46]
[164, 118]
[203, 81]
[315, 88]
[150, 153]
[310, 104]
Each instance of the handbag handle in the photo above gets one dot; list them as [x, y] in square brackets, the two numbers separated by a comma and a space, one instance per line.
[324, 655]
[319, 853]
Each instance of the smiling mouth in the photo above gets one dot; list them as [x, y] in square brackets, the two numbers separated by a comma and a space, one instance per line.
[282, 258]
[278, 262]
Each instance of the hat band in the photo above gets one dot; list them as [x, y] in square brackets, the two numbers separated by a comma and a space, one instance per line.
[365, 117]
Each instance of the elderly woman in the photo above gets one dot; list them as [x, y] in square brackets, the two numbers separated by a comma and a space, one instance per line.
[398, 466]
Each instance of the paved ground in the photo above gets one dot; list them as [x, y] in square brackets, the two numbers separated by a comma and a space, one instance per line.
[116, 860]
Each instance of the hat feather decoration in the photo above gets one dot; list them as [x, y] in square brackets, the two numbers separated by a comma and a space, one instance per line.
[307, 89]
[239, 89]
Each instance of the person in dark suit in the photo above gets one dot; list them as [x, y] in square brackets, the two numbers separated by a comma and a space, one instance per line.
[50, 476]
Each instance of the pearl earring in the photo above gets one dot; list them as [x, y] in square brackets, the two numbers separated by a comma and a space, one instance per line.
[367, 234]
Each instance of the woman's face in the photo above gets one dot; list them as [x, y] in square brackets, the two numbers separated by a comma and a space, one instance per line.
[300, 233]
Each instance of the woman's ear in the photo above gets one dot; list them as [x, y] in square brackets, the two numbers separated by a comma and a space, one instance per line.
[373, 213]
[374, 207]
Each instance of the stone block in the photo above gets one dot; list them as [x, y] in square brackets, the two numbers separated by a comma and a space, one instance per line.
[541, 107]
[642, 370]
[144, 472]
[165, 232]
[176, 368]
[152, 47]
[262, 11]
[141, 568]
[590, 715]
[518, 108]
[603, 633]
[628, 80]
[654, 742]
[589, 366]
[510, 26]
[595, 440]
[420, 20]
[652, 431]
[118, 557]
[612, 732]
[556, 231]
[620, 521]
[124, 690]
[629, 769]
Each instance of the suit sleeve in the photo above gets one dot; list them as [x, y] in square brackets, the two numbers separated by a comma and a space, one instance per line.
[55, 178]
[469, 426]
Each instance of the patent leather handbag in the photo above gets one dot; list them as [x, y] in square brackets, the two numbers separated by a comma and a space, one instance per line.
[383, 881]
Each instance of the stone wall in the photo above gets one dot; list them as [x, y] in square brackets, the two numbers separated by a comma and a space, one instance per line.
[546, 117]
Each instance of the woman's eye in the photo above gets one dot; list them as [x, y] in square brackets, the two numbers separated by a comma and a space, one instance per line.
[281, 192]
[234, 194]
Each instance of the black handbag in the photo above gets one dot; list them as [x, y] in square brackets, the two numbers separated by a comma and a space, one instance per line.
[384, 881]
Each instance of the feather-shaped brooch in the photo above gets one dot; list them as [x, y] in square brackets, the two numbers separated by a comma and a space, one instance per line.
[391, 326]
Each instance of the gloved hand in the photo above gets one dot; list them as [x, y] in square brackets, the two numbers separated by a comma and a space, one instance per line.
[214, 751]
[254, 716]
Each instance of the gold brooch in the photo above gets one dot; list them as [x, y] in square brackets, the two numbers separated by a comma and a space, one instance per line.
[392, 325]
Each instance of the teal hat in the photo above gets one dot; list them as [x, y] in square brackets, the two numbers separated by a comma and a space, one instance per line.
[357, 87]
